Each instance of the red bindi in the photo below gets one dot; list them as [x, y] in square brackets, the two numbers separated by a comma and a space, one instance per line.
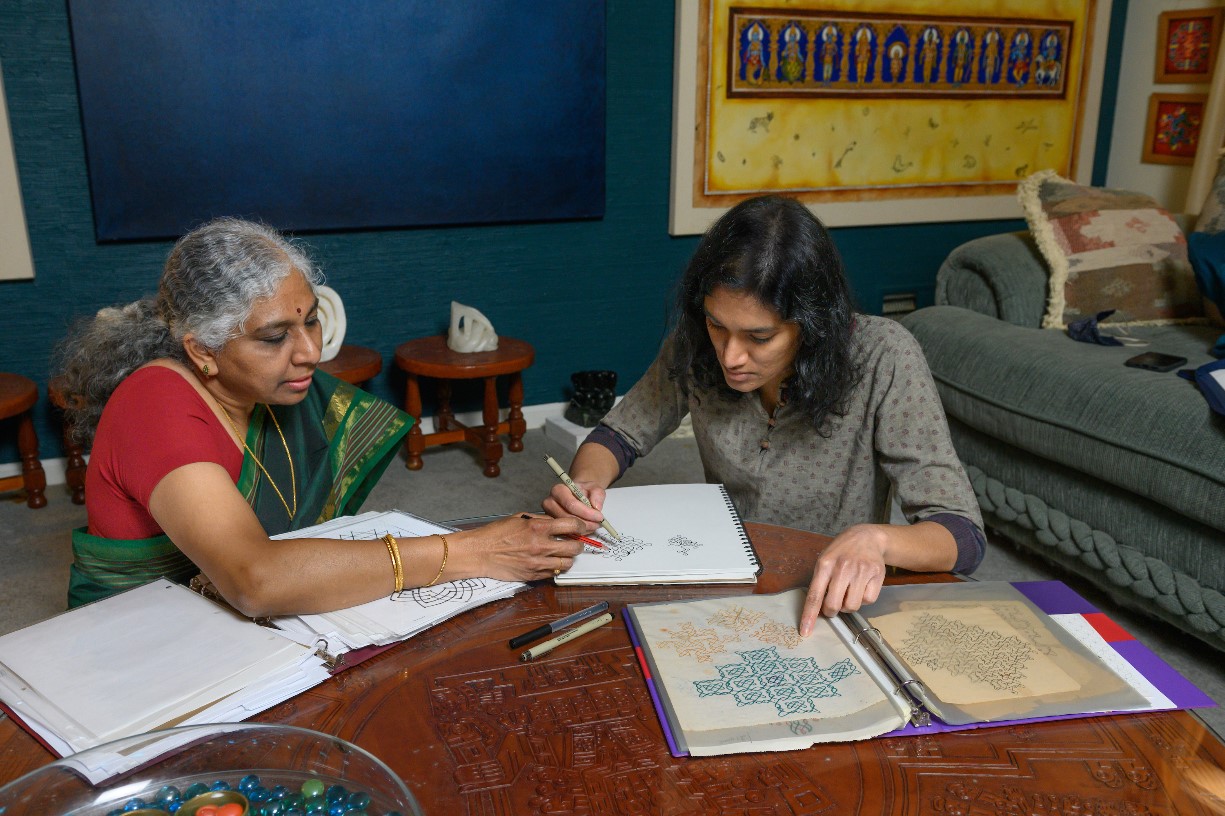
[299, 311]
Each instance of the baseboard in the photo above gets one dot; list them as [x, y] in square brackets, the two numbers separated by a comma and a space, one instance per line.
[534, 415]
[54, 468]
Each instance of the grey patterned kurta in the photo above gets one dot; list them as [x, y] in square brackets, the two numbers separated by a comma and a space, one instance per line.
[893, 434]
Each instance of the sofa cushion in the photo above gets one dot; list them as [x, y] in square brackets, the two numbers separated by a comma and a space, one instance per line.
[1108, 249]
[1077, 404]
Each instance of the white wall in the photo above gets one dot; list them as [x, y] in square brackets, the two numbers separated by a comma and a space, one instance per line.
[1165, 182]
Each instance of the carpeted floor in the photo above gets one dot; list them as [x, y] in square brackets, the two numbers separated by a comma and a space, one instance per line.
[35, 550]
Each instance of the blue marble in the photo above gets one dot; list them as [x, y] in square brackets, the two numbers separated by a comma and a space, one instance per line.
[194, 790]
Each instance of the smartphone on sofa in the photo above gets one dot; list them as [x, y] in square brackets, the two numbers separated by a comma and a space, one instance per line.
[1156, 361]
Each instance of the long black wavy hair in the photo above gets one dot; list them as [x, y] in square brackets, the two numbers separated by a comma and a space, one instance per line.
[773, 248]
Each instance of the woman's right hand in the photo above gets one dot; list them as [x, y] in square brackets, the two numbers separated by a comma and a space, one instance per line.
[594, 468]
[561, 502]
[522, 547]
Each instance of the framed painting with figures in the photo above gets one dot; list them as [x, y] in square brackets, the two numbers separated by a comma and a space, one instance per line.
[870, 115]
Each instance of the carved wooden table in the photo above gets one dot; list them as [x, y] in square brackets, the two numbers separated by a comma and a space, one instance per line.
[474, 731]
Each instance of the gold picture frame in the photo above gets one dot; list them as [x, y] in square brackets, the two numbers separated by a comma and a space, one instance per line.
[846, 149]
[1187, 44]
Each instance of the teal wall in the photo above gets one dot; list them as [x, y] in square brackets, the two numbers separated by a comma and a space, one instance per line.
[587, 294]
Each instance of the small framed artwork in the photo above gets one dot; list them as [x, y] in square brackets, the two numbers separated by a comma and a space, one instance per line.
[1187, 42]
[1172, 127]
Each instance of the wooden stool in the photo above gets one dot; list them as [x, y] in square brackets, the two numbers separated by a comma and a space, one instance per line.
[430, 357]
[17, 396]
[74, 469]
[356, 365]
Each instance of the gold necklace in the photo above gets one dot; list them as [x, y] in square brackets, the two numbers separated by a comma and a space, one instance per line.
[293, 480]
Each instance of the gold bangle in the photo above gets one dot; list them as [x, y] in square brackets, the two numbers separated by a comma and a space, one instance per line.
[397, 566]
[445, 552]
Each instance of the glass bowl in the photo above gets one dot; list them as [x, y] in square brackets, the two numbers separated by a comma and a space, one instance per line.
[214, 770]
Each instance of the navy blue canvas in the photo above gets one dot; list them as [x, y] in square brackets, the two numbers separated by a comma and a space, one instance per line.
[313, 115]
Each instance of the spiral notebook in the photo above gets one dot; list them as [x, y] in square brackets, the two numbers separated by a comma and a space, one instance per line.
[670, 534]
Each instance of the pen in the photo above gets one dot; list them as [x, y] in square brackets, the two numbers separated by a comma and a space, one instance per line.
[561, 623]
[595, 542]
[550, 645]
[578, 493]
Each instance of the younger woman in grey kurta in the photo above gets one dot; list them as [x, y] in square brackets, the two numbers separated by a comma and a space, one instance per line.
[809, 413]
[893, 434]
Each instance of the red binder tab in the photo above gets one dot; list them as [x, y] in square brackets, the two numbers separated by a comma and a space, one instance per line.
[1110, 631]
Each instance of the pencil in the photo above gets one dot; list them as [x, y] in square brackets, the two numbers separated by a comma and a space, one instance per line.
[578, 493]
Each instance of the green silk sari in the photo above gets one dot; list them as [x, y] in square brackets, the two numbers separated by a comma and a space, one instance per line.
[340, 440]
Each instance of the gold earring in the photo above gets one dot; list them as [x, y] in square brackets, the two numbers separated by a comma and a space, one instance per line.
[205, 369]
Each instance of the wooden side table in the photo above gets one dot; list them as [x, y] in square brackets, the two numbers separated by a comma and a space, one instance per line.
[74, 468]
[430, 357]
[17, 396]
[356, 365]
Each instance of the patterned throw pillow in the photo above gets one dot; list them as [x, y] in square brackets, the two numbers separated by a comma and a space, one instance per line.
[1108, 249]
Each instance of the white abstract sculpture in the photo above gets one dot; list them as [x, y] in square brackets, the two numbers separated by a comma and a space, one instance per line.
[470, 330]
[331, 320]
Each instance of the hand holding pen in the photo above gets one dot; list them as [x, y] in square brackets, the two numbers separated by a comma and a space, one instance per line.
[578, 493]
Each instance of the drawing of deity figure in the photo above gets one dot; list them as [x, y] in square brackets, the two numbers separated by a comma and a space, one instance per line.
[928, 67]
[897, 62]
[989, 67]
[959, 68]
[829, 52]
[1049, 64]
[896, 49]
[753, 56]
[791, 54]
[864, 37]
[1019, 57]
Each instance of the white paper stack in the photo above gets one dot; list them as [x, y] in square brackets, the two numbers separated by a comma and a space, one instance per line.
[153, 657]
[401, 615]
[670, 534]
[161, 655]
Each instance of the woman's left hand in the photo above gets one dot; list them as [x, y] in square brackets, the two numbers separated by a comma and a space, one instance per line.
[849, 573]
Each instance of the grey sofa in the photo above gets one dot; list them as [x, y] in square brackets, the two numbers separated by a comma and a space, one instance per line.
[1116, 473]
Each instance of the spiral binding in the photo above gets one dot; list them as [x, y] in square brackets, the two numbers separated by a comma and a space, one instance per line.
[749, 549]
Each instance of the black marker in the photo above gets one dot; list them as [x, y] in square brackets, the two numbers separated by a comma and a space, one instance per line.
[562, 623]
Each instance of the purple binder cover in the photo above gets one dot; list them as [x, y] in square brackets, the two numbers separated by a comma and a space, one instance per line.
[1053, 598]
[650, 678]
[1057, 598]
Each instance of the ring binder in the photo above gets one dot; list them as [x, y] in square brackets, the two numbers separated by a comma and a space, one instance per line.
[919, 715]
[863, 632]
[924, 665]
[332, 661]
